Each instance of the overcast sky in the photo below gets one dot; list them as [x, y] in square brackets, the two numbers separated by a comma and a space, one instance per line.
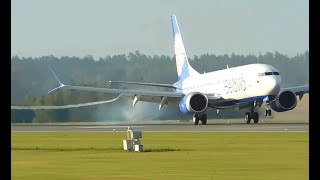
[108, 27]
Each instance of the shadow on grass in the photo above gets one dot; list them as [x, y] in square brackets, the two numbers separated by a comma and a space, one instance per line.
[57, 149]
[64, 149]
[161, 150]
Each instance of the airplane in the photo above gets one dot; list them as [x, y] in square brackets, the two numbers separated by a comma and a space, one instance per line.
[243, 87]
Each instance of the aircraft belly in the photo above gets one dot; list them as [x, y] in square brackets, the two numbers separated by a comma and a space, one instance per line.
[232, 102]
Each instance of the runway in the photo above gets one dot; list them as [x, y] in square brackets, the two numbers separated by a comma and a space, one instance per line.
[165, 128]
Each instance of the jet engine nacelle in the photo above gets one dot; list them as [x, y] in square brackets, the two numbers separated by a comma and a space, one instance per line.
[285, 101]
[194, 102]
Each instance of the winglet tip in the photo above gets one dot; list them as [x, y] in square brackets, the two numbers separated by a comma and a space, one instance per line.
[57, 79]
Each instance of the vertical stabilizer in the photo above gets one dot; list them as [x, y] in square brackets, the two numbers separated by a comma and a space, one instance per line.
[183, 67]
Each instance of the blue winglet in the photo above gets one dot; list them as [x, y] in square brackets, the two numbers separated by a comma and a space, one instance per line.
[56, 77]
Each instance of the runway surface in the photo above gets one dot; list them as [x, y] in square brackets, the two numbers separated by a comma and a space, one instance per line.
[164, 128]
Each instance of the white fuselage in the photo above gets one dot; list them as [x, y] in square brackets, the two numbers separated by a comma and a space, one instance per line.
[240, 82]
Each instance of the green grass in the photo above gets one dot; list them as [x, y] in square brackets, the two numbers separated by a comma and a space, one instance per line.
[169, 155]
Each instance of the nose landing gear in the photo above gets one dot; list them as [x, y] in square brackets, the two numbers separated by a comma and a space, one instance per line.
[268, 110]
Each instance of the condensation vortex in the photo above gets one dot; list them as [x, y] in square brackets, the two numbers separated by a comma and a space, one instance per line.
[65, 106]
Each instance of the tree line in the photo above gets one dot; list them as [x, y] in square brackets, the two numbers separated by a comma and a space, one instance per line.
[31, 79]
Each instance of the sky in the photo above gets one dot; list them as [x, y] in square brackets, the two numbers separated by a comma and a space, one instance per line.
[108, 27]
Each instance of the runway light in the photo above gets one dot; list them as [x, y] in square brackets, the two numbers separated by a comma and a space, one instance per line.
[286, 130]
[114, 130]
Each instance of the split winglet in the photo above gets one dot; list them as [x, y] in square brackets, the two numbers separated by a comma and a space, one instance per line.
[56, 77]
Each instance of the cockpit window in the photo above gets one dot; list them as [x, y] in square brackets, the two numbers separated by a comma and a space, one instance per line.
[268, 73]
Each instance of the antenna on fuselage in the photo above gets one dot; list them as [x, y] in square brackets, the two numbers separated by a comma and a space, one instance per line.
[227, 66]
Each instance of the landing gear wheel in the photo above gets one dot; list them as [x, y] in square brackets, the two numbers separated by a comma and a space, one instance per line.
[196, 119]
[204, 119]
[255, 117]
[248, 118]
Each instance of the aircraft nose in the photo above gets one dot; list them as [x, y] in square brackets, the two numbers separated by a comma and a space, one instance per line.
[274, 84]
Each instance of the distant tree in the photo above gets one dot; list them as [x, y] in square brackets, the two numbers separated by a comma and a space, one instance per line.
[31, 80]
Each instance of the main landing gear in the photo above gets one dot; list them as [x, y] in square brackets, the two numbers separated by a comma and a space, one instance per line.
[252, 115]
[199, 117]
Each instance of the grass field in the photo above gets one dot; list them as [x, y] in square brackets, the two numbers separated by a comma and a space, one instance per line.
[170, 155]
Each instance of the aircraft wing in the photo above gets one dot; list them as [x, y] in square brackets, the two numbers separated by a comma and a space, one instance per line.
[149, 96]
[299, 90]
[146, 84]
[161, 97]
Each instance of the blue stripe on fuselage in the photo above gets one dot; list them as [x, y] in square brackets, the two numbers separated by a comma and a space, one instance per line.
[235, 102]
